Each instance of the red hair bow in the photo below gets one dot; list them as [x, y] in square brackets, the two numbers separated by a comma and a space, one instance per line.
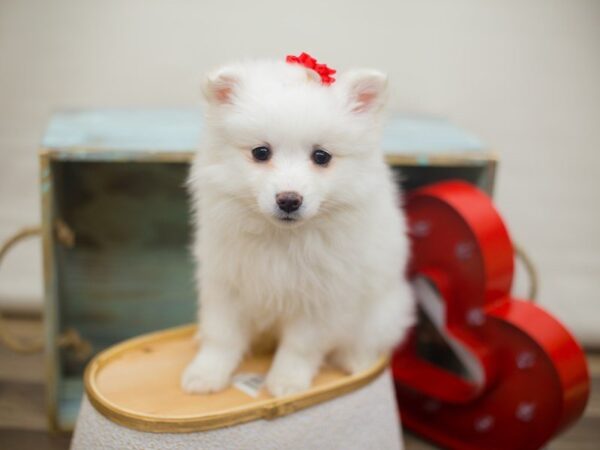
[311, 63]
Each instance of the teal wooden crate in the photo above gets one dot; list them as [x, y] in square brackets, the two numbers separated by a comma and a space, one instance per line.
[117, 228]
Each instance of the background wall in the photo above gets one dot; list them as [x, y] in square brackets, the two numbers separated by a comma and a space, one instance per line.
[523, 75]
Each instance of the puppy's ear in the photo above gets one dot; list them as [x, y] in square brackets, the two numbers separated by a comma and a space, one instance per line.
[365, 89]
[220, 87]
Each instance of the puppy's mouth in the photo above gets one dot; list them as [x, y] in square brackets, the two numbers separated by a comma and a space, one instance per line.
[288, 219]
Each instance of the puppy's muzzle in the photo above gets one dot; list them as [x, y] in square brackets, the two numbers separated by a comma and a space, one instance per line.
[288, 201]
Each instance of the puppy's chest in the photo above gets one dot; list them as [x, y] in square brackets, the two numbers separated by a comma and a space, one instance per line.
[286, 267]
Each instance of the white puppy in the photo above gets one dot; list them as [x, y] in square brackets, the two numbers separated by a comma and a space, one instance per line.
[299, 231]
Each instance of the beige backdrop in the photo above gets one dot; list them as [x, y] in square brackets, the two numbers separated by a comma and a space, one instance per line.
[523, 75]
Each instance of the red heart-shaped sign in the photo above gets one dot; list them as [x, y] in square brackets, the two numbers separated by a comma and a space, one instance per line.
[481, 370]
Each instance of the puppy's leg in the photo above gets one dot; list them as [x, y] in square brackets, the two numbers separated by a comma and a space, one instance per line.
[224, 342]
[382, 329]
[297, 360]
[354, 357]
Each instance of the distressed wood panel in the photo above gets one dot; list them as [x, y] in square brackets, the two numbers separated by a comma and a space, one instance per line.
[18, 439]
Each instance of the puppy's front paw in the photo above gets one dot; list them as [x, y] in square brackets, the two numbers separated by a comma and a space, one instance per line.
[203, 376]
[280, 383]
[353, 361]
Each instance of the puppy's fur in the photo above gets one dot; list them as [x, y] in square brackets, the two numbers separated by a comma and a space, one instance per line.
[327, 279]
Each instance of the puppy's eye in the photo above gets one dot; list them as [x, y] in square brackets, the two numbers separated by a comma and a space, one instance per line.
[261, 154]
[320, 157]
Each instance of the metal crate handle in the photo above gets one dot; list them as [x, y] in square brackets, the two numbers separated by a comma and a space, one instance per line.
[70, 338]
[6, 337]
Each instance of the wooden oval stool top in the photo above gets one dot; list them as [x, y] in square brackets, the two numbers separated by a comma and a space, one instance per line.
[137, 384]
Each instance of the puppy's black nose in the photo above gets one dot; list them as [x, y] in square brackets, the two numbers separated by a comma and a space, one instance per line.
[288, 201]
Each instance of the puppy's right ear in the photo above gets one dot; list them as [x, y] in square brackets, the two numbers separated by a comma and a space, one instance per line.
[220, 87]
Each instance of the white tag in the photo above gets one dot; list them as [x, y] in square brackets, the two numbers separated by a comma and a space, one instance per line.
[249, 383]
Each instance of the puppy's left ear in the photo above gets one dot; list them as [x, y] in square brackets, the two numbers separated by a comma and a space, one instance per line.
[365, 89]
